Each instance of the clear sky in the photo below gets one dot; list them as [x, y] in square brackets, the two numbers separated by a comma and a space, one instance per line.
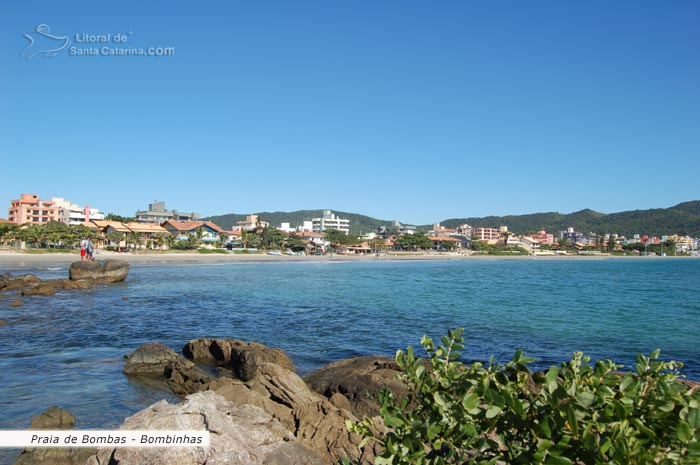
[416, 111]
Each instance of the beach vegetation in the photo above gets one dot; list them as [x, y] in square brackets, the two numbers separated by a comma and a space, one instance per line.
[575, 413]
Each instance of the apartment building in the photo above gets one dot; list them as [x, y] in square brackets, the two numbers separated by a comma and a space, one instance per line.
[29, 208]
[488, 234]
[70, 213]
[157, 213]
[330, 221]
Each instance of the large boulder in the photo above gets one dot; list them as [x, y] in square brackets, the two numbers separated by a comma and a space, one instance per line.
[359, 380]
[242, 357]
[313, 420]
[54, 418]
[245, 435]
[150, 359]
[108, 271]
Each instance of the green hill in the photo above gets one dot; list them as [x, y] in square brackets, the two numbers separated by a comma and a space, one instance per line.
[359, 224]
[681, 219]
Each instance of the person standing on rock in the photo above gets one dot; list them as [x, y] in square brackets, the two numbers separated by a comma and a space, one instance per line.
[83, 249]
[90, 250]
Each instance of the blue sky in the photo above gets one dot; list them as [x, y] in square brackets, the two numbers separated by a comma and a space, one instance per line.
[416, 111]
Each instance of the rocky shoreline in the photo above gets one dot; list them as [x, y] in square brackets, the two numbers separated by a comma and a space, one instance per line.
[257, 409]
[81, 275]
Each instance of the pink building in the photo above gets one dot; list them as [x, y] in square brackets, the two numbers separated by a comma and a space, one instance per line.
[29, 208]
[487, 234]
[542, 237]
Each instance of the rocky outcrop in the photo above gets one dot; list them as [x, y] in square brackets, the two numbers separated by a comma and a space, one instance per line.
[359, 380]
[108, 271]
[54, 418]
[242, 357]
[245, 435]
[181, 375]
[9, 283]
[82, 275]
[311, 418]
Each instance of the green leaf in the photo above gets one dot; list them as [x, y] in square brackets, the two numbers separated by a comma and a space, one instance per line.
[492, 411]
[470, 401]
[628, 383]
[585, 399]
[683, 432]
[693, 418]
[552, 460]
[551, 379]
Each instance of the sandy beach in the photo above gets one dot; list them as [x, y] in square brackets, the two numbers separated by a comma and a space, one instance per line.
[13, 259]
[18, 258]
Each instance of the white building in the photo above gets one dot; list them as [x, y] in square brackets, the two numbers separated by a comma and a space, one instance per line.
[70, 213]
[330, 221]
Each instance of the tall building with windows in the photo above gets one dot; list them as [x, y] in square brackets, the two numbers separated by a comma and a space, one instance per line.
[330, 221]
[29, 208]
[157, 213]
[70, 213]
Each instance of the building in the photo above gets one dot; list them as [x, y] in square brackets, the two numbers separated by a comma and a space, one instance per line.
[330, 221]
[530, 244]
[464, 230]
[74, 214]
[487, 234]
[203, 231]
[157, 213]
[251, 222]
[29, 208]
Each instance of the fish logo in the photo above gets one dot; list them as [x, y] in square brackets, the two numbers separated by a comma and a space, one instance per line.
[43, 44]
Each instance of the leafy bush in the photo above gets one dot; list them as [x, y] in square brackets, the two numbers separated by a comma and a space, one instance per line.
[575, 413]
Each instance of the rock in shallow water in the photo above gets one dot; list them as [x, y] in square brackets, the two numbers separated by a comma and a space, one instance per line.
[109, 271]
[54, 418]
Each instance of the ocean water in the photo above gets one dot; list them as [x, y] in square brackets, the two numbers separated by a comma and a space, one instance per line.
[68, 350]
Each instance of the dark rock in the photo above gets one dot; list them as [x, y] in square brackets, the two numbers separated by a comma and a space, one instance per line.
[360, 380]
[242, 357]
[16, 303]
[54, 418]
[238, 435]
[18, 283]
[108, 271]
[150, 359]
[44, 288]
[183, 377]
[3, 322]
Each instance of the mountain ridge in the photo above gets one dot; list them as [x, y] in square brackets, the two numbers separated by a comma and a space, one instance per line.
[683, 219]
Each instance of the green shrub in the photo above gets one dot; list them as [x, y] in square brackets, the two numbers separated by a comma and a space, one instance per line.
[575, 413]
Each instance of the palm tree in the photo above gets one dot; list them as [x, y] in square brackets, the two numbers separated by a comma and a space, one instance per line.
[133, 238]
[223, 237]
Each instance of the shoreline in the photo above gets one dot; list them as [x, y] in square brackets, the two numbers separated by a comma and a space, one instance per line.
[20, 258]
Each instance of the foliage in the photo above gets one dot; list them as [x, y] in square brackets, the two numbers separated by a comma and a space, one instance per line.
[336, 238]
[414, 241]
[120, 219]
[575, 413]
[204, 250]
[681, 219]
[359, 224]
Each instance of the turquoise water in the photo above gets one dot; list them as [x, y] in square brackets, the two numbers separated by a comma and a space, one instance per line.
[67, 350]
